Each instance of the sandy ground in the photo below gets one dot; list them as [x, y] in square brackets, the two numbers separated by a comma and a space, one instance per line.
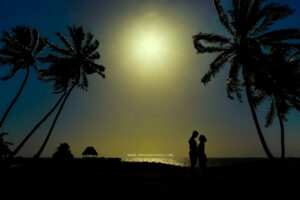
[113, 179]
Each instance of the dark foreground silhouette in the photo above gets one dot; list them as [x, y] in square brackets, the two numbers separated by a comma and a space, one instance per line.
[110, 176]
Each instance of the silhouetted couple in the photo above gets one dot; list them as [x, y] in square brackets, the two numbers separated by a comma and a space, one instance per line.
[197, 152]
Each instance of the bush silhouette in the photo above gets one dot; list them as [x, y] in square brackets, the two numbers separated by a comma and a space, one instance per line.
[63, 153]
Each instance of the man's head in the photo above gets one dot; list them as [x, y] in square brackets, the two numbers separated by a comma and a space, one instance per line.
[195, 134]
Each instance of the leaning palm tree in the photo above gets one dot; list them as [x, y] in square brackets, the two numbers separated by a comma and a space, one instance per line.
[279, 83]
[70, 66]
[20, 51]
[247, 23]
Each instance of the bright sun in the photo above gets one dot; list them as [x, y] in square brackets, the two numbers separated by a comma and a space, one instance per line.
[148, 48]
[148, 44]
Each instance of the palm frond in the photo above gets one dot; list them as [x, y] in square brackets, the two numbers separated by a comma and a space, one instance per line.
[295, 57]
[269, 14]
[12, 44]
[270, 115]
[216, 65]
[295, 103]
[283, 107]
[279, 35]
[222, 16]
[9, 52]
[94, 55]
[209, 38]
[42, 43]
[256, 14]
[233, 87]
[7, 61]
[23, 35]
[65, 42]
[92, 47]
[5, 78]
[258, 98]
[84, 82]
[59, 50]
[77, 36]
[15, 69]
[100, 70]
[233, 81]
[89, 38]
[35, 40]
[49, 58]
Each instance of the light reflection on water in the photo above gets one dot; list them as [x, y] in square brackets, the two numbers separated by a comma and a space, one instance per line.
[184, 162]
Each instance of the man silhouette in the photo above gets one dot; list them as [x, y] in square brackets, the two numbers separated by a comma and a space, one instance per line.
[193, 151]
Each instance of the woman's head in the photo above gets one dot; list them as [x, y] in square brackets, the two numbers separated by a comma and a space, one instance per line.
[202, 138]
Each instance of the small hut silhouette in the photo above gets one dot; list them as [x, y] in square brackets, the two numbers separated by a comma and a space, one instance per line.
[90, 152]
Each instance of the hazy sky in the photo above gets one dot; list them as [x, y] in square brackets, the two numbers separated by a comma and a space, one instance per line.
[152, 98]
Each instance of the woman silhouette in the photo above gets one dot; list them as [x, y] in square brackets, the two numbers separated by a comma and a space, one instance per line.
[201, 154]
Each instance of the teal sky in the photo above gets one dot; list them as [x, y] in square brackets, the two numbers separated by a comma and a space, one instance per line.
[150, 102]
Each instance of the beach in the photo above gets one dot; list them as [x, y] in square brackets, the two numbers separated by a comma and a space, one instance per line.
[115, 178]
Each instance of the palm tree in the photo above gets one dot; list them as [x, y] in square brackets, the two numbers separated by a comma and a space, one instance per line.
[69, 67]
[247, 23]
[20, 50]
[279, 83]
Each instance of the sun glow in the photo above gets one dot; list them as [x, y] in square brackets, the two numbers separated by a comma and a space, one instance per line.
[149, 47]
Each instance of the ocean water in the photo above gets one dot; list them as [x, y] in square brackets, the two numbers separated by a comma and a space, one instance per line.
[185, 162]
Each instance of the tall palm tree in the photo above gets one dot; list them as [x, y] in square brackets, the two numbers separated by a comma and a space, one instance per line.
[279, 83]
[20, 51]
[247, 24]
[70, 66]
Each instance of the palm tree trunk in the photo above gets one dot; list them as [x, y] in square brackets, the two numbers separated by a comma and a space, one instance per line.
[260, 134]
[282, 137]
[36, 127]
[16, 98]
[53, 123]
